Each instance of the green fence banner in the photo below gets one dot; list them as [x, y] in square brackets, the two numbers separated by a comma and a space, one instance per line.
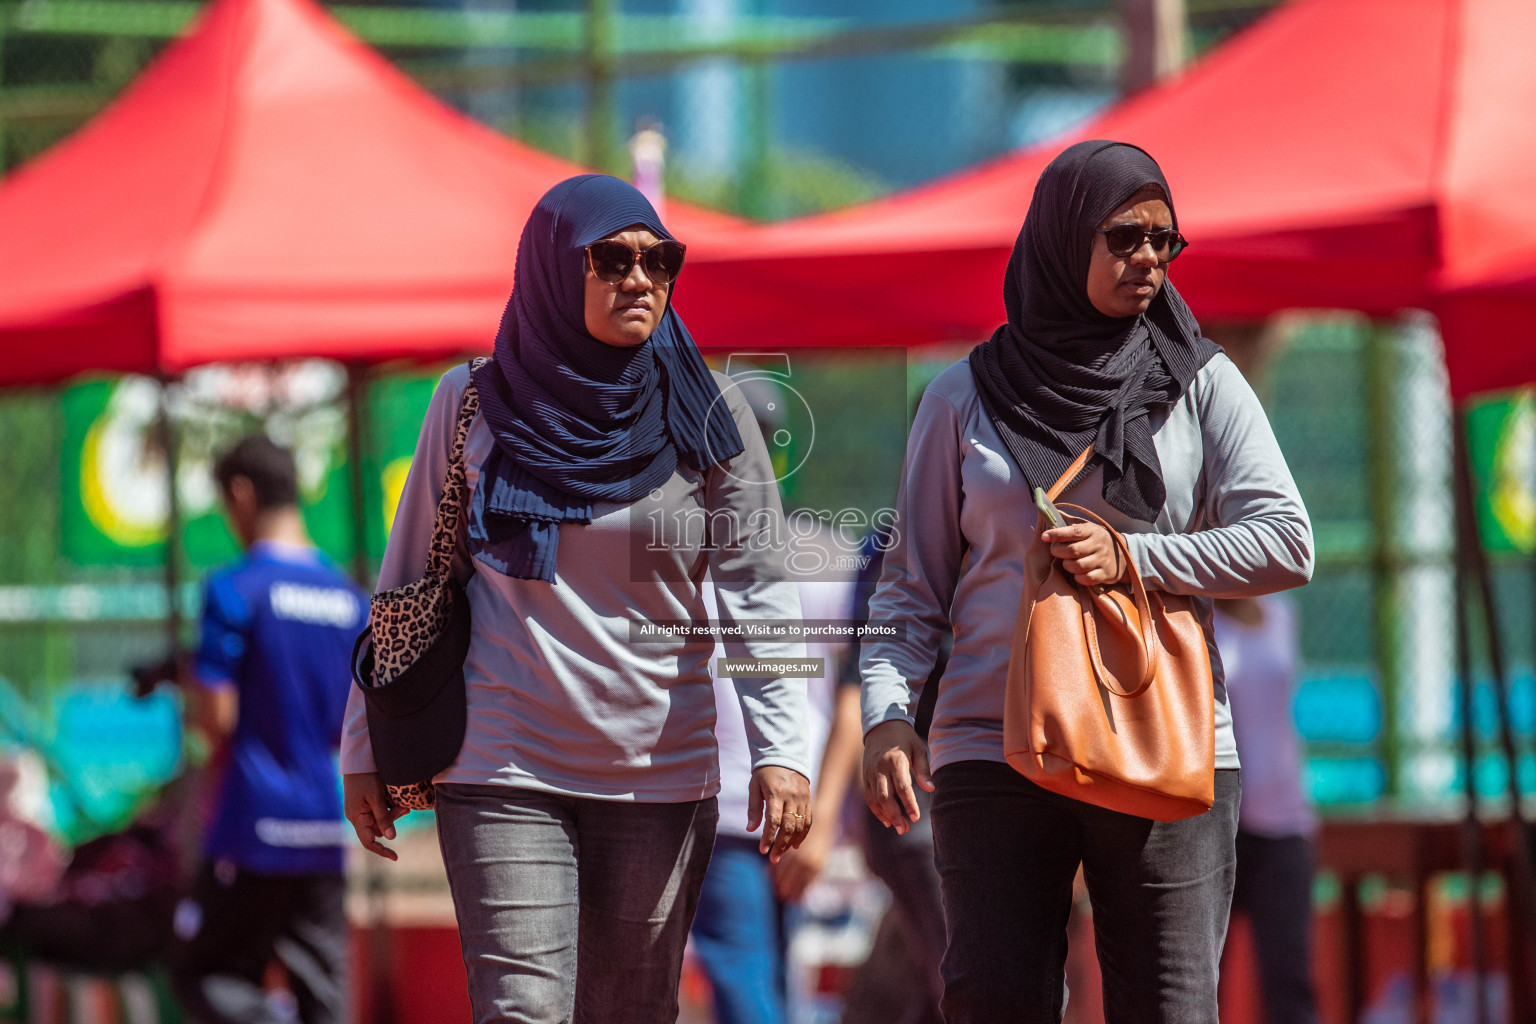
[397, 405]
[115, 492]
[1501, 437]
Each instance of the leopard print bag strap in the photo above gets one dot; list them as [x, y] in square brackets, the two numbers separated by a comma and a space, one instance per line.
[450, 507]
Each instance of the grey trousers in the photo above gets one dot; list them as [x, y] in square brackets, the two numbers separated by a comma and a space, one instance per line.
[570, 909]
[1007, 853]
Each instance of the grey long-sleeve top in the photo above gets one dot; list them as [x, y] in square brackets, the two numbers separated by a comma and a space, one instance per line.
[1233, 525]
[560, 699]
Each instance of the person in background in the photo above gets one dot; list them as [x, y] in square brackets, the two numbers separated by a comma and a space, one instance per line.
[1257, 639]
[738, 932]
[270, 678]
[899, 982]
[909, 945]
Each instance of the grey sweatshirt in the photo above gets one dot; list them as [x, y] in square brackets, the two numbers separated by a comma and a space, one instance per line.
[1233, 525]
[560, 698]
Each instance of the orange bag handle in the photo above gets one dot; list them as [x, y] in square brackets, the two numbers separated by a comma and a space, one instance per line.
[1071, 474]
[1150, 648]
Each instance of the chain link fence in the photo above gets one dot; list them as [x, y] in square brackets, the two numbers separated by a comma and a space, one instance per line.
[1364, 418]
[1360, 410]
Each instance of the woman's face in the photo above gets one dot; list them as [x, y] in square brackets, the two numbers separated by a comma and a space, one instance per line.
[625, 314]
[1126, 285]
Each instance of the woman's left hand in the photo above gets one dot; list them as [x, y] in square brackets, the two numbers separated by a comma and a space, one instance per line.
[780, 800]
[1087, 551]
[799, 868]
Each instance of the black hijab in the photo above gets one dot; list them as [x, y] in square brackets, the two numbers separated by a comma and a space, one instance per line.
[1059, 374]
[577, 421]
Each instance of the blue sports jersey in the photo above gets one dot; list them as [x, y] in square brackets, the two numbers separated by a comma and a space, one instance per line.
[279, 625]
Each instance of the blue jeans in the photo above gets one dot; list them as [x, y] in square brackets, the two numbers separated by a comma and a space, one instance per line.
[738, 935]
[572, 909]
[1007, 852]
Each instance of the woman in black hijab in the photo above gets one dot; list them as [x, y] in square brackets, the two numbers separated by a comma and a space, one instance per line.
[1099, 350]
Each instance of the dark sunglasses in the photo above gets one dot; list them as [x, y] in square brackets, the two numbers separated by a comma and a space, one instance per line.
[1124, 239]
[611, 260]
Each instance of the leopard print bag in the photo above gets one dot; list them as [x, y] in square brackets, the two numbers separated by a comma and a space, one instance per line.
[406, 621]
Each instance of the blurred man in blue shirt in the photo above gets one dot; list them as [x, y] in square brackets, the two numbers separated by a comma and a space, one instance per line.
[271, 676]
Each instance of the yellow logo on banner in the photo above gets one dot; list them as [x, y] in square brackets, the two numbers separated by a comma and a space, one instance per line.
[122, 478]
[1514, 473]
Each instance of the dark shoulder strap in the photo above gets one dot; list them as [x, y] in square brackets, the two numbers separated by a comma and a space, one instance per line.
[450, 507]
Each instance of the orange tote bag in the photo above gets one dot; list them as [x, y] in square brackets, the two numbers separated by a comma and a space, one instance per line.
[1109, 696]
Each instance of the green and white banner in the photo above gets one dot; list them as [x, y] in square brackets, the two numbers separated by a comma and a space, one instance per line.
[1501, 437]
[113, 473]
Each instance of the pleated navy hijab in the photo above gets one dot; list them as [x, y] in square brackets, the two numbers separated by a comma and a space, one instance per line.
[577, 421]
[1059, 374]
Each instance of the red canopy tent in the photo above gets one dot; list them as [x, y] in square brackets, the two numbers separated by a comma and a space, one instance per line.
[1488, 272]
[1485, 317]
[270, 187]
[1338, 154]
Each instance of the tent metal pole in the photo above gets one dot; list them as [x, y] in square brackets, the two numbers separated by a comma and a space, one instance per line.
[1381, 368]
[1154, 35]
[4, 26]
[1473, 854]
[380, 952]
[598, 48]
[357, 426]
[754, 190]
[170, 444]
[1521, 897]
[1472, 829]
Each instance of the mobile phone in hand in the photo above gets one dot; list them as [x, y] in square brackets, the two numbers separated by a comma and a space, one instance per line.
[1048, 509]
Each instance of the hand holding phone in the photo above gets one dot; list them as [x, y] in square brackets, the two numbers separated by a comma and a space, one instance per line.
[1048, 509]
